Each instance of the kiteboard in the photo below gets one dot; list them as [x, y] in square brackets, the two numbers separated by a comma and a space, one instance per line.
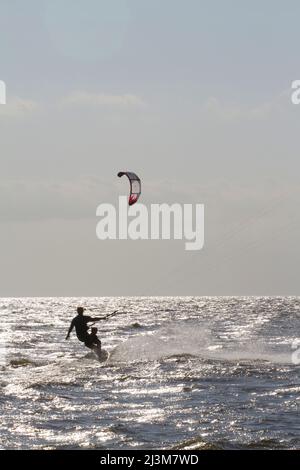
[102, 354]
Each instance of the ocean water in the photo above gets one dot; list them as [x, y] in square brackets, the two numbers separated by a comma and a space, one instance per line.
[183, 373]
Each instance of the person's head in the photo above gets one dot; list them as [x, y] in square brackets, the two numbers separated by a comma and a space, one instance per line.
[94, 330]
[80, 310]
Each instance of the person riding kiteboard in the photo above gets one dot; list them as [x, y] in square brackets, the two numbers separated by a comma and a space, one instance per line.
[80, 323]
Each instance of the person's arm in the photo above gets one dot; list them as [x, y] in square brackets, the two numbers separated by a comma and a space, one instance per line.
[101, 318]
[70, 329]
[94, 319]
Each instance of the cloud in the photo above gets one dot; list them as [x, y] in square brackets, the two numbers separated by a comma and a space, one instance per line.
[18, 107]
[102, 99]
[27, 200]
[230, 113]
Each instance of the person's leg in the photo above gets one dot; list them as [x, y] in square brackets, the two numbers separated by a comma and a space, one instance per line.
[96, 346]
[88, 342]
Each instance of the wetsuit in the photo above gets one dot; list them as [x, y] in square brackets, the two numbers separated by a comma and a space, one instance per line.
[80, 324]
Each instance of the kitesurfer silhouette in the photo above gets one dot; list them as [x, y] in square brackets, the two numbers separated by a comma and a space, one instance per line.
[80, 323]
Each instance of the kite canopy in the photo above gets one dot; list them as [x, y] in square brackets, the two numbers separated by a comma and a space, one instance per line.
[135, 186]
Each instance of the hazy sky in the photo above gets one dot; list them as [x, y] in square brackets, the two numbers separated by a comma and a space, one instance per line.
[194, 97]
